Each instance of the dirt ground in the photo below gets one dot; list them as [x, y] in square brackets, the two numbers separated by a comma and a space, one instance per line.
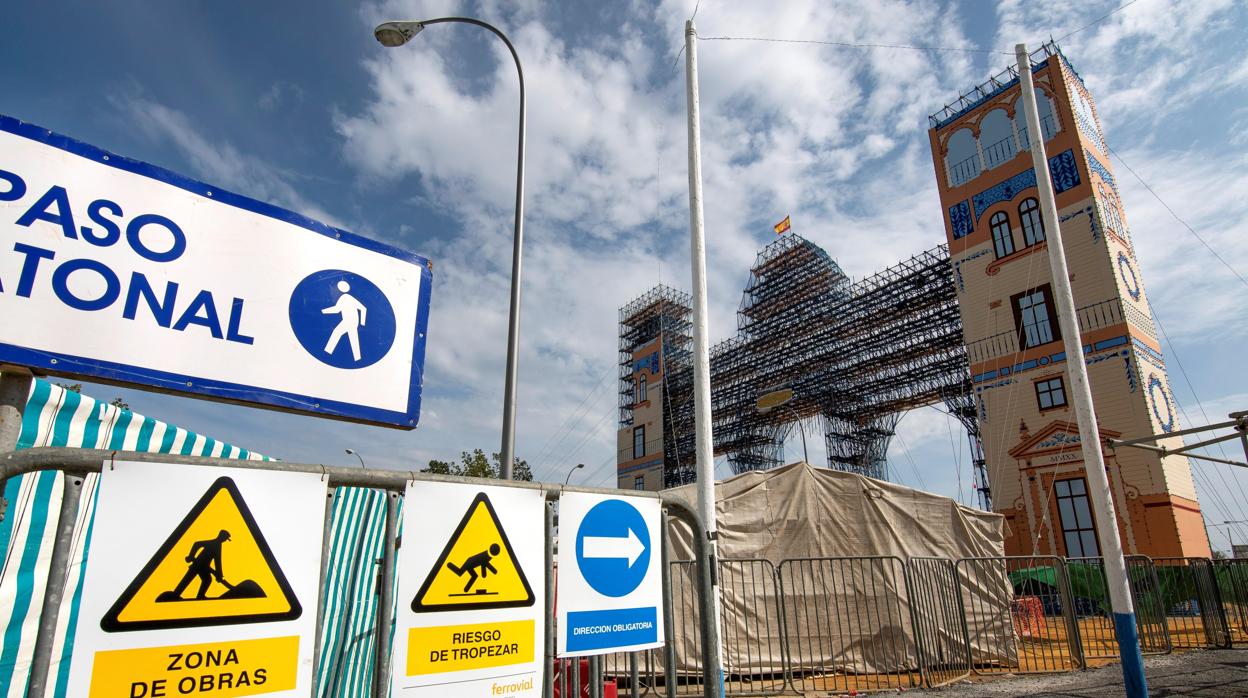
[1204, 673]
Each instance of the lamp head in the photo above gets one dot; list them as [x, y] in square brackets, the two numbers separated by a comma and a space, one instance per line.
[391, 34]
[579, 465]
[351, 451]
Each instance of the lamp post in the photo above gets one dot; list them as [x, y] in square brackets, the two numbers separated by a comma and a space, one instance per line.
[392, 34]
[575, 468]
[781, 398]
[353, 452]
[1230, 532]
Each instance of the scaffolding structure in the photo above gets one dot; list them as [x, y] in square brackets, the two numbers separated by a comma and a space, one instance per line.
[857, 356]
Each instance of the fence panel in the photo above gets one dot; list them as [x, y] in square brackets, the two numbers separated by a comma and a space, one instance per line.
[847, 625]
[1194, 616]
[751, 640]
[635, 674]
[940, 629]
[1232, 576]
[1018, 615]
[1094, 619]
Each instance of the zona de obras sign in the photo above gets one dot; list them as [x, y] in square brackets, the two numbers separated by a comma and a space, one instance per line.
[119, 271]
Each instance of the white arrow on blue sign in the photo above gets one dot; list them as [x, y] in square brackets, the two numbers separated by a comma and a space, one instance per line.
[610, 588]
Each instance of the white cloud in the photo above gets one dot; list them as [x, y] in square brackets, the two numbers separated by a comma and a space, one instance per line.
[217, 161]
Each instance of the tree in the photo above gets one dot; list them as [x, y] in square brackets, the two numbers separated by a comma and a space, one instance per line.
[77, 388]
[475, 464]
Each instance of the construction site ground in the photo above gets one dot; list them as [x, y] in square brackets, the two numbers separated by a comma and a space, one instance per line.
[1199, 673]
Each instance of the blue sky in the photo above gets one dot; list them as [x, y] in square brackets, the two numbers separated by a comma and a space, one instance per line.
[296, 104]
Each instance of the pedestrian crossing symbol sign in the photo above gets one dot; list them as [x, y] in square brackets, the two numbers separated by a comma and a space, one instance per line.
[214, 569]
[477, 569]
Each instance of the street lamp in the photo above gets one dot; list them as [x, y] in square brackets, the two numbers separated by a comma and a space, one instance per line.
[575, 468]
[781, 398]
[392, 34]
[353, 452]
[1230, 532]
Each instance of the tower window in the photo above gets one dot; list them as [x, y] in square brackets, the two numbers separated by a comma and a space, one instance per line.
[1050, 393]
[641, 389]
[1109, 208]
[639, 441]
[1034, 317]
[1078, 529]
[1002, 240]
[639, 482]
[1033, 224]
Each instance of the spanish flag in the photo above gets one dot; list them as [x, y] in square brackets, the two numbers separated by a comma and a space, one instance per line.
[783, 226]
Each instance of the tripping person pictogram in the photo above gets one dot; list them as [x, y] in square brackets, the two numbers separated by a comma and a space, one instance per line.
[480, 561]
[205, 563]
[354, 315]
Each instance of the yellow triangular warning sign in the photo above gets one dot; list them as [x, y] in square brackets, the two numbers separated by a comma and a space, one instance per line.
[477, 569]
[214, 569]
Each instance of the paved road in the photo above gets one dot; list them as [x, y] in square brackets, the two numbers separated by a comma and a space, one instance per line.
[1203, 674]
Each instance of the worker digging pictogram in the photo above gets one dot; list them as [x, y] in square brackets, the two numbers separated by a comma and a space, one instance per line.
[477, 569]
[214, 569]
[204, 562]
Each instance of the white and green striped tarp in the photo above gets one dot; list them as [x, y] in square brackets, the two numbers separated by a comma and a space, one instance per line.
[57, 417]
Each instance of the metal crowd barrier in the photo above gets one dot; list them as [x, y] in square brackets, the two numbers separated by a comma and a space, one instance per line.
[1019, 616]
[939, 619]
[1093, 617]
[848, 626]
[1194, 615]
[77, 463]
[1232, 581]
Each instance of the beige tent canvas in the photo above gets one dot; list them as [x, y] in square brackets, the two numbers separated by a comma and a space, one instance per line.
[819, 557]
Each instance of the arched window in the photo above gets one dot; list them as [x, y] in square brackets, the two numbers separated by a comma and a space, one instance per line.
[962, 162]
[641, 388]
[996, 138]
[1048, 120]
[1033, 224]
[1002, 240]
[1109, 210]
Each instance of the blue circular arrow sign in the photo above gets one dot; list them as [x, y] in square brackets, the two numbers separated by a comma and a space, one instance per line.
[613, 548]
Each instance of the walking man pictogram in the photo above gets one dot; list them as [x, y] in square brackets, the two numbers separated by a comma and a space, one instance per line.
[480, 561]
[353, 315]
[205, 559]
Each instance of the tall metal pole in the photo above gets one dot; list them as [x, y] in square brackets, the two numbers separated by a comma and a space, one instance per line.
[397, 33]
[701, 350]
[1081, 392]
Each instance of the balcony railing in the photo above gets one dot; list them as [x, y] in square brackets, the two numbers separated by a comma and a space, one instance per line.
[964, 171]
[1000, 152]
[1091, 317]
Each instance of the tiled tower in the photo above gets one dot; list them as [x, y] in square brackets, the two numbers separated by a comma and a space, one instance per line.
[1018, 366]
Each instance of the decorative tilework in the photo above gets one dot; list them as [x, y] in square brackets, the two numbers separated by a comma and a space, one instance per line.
[957, 267]
[960, 219]
[1095, 166]
[1059, 438]
[1158, 397]
[1086, 211]
[1126, 359]
[1147, 354]
[1055, 358]
[1142, 321]
[1086, 121]
[1003, 191]
[1062, 170]
[1129, 278]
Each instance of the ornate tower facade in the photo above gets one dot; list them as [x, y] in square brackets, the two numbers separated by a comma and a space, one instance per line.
[1018, 366]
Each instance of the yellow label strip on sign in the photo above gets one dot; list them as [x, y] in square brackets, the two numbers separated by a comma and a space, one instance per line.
[447, 648]
[217, 669]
